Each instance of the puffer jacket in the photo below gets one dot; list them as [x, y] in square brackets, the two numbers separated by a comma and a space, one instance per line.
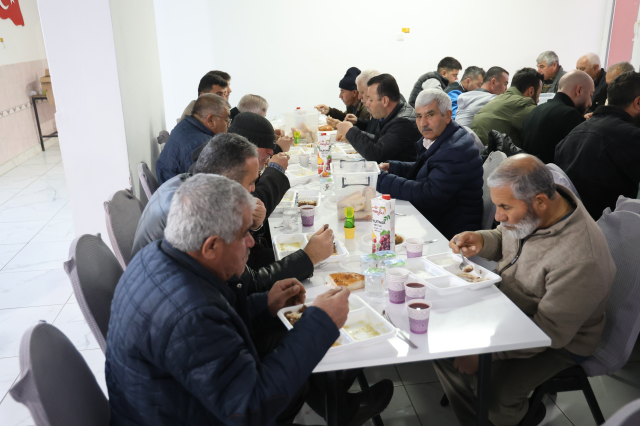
[445, 184]
[394, 139]
[418, 87]
[500, 142]
[454, 90]
[358, 110]
[180, 349]
[175, 158]
[154, 220]
[469, 103]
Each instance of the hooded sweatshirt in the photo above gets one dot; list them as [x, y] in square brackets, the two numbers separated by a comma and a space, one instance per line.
[469, 103]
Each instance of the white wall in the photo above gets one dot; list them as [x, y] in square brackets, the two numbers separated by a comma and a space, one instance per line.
[22, 43]
[294, 52]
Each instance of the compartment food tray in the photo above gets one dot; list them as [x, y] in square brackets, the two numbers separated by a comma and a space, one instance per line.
[302, 239]
[451, 265]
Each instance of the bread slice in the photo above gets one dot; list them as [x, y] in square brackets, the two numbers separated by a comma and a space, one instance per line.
[355, 200]
[350, 280]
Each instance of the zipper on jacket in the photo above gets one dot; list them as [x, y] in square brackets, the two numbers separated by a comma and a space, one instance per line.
[515, 259]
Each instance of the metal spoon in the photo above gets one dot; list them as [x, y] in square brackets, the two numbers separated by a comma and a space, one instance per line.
[461, 265]
[431, 241]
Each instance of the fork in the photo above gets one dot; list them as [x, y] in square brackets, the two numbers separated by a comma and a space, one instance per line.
[464, 259]
[401, 334]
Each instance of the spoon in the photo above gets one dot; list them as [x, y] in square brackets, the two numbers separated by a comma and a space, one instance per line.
[461, 265]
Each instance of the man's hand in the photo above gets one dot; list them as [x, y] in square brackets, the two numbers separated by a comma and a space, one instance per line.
[279, 133]
[258, 214]
[322, 108]
[384, 167]
[588, 116]
[285, 143]
[469, 242]
[344, 127]
[282, 159]
[334, 303]
[351, 119]
[333, 122]
[320, 246]
[466, 364]
[285, 293]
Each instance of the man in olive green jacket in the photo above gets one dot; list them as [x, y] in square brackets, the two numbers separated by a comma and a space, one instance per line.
[555, 266]
[506, 113]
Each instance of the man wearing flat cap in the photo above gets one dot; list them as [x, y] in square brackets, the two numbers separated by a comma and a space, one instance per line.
[349, 95]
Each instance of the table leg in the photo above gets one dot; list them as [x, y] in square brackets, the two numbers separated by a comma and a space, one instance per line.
[484, 381]
[332, 398]
[35, 110]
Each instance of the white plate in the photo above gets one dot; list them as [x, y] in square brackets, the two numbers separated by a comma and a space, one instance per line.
[453, 268]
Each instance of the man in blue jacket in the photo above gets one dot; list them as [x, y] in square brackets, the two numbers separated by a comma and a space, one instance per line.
[445, 183]
[210, 116]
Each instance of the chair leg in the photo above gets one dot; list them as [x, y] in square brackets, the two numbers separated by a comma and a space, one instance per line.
[364, 385]
[591, 399]
[534, 404]
[444, 401]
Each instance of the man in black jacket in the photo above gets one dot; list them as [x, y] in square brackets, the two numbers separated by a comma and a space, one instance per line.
[552, 121]
[590, 63]
[396, 133]
[447, 73]
[602, 155]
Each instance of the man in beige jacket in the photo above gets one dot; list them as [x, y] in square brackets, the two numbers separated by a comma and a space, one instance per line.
[555, 266]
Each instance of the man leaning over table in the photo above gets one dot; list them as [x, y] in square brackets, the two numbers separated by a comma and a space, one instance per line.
[555, 266]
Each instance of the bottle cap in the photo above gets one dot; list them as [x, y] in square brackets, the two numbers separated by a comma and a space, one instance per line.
[323, 134]
[386, 197]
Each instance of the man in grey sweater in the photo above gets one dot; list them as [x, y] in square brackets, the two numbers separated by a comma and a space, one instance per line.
[555, 266]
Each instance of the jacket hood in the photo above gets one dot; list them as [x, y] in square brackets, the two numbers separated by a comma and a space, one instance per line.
[468, 98]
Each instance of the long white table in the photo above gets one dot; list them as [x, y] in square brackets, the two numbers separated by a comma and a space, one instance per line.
[466, 323]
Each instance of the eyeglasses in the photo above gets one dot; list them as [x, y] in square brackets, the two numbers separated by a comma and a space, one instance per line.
[226, 119]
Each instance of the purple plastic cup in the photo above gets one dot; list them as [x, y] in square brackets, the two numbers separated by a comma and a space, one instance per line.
[395, 279]
[307, 213]
[419, 311]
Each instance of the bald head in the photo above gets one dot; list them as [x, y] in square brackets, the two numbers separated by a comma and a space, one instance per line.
[526, 175]
[579, 86]
[617, 69]
[590, 63]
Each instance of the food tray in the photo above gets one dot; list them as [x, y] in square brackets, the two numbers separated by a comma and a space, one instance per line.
[309, 195]
[452, 268]
[289, 200]
[363, 314]
[303, 240]
[340, 248]
[420, 268]
[299, 175]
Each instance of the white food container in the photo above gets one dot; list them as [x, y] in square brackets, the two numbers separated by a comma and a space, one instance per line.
[287, 201]
[452, 267]
[362, 314]
[341, 250]
[309, 196]
[355, 186]
[422, 269]
[282, 244]
[298, 175]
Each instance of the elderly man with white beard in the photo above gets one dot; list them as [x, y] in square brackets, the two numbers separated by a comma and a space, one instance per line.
[555, 266]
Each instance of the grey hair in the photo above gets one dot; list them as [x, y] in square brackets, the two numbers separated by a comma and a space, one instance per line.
[205, 206]
[525, 183]
[209, 103]
[367, 75]
[549, 57]
[621, 68]
[226, 154]
[253, 103]
[592, 58]
[427, 96]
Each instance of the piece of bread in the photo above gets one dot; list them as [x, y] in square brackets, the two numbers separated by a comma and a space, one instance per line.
[369, 193]
[350, 280]
[363, 216]
[325, 128]
[355, 200]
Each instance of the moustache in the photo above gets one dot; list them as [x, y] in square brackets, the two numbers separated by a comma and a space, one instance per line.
[425, 129]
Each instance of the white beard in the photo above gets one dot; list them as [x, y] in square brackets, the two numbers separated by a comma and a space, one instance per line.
[524, 228]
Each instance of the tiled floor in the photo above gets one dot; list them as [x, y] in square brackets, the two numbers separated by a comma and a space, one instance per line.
[35, 234]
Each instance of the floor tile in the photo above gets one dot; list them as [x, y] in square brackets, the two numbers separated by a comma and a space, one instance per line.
[71, 322]
[414, 373]
[554, 416]
[47, 157]
[30, 170]
[39, 257]
[35, 288]
[19, 232]
[400, 411]
[14, 322]
[375, 374]
[8, 252]
[426, 401]
[42, 210]
[13, 413]
[16, 182]
[9, 372]
[95, 360]
[44, 190]
[57, 170]
[56, 230]
[7, 194]
[64, 213]
[307, 416]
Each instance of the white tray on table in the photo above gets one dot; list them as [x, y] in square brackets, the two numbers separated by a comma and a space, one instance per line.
[303, 239]
[359, 312]
[299, 175]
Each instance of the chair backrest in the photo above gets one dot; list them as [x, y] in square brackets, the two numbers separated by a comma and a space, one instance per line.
[94, 273]
[629, 415]
[561, 178]
[123, 212]
[56, 383]
[147, 179]
[622, 231]
[492, 162]
[628, 204]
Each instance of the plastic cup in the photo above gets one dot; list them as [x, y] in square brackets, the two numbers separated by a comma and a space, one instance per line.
[414, 291]
[307, 213]
[395, 279]
[304, 159]
[349, 233]
[289, 221]
[419, 311]
[414, 247]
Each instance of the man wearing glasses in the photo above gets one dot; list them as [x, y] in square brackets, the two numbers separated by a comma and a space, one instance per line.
[210, 116]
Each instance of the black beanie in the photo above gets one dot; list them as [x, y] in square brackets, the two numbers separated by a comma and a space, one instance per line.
[254, 127]
[348, 82]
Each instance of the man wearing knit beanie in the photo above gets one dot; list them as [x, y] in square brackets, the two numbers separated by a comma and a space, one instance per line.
[349, 95]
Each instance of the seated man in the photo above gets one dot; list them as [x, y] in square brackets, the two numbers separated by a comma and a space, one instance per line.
[549, 67]
[552, 121]
[507, 112]
[602, 155]
[446, 73]
[368, 124]
[180, 345]
[210, 116]
[209, 83]
[471, 80]
[445, 183]
[252, 103]
[562, 290]
[590, 63]
[495, 83]
[396, 133]
[350, 97]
